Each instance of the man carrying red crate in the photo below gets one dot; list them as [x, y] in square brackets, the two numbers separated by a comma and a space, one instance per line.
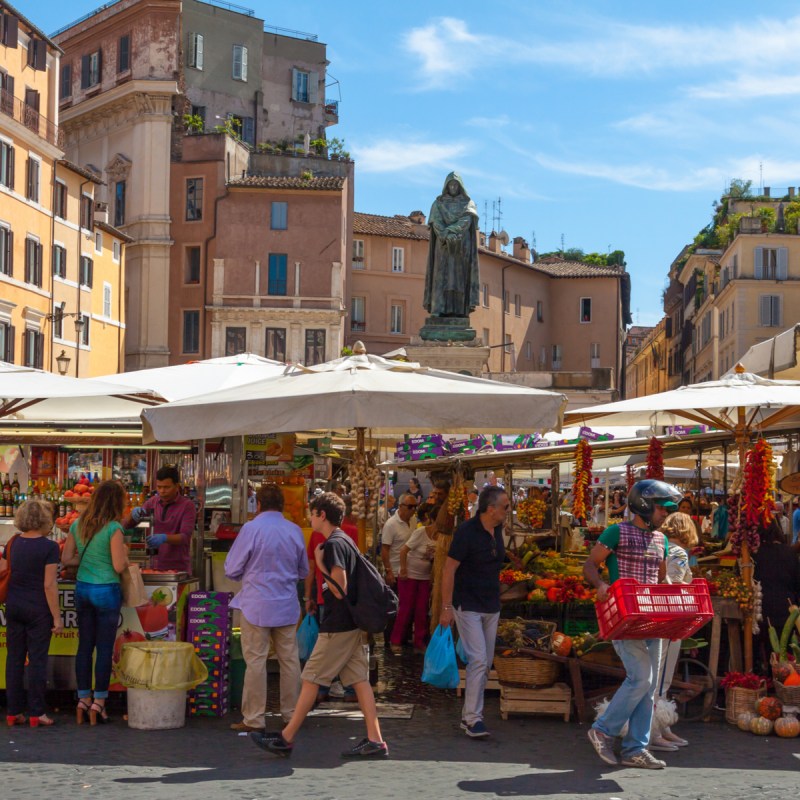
[633, 550]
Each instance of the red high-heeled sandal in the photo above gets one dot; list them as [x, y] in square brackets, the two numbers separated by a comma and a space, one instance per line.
[43, 720]
[15, 719]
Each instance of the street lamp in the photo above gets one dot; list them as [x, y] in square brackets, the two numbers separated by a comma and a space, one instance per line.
[62, 360]
[80, 324]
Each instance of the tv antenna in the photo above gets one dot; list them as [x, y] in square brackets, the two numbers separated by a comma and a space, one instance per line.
[562, 244]
[485, 215]
[497, 214]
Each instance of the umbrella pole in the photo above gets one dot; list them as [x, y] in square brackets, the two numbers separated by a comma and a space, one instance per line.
[362, 522]
[746, 560]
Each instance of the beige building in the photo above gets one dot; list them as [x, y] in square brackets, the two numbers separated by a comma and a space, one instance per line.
[544, 316]
[646, 369]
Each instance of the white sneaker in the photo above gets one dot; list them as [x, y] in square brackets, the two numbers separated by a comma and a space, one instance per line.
[644, 759]
[659, 743]
[336, 690]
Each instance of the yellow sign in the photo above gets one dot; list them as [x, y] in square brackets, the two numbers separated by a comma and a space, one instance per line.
[269, 448]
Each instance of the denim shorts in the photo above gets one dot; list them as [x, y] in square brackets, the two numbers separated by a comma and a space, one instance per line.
[103, 596]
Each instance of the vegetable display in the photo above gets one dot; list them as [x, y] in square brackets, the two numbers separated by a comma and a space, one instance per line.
[365, 479]
[655, 460]
[531, 512]
[582, 479]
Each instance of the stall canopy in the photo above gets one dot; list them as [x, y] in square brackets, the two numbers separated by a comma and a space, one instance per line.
[201, 377]
[32, 394]
[776, 357]
[358, 392]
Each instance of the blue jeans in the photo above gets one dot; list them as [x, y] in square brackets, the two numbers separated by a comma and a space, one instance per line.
[477, 633]
[97, 606]
[633, 701]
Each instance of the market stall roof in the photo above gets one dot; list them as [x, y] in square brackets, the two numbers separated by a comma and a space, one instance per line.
[32, 394]
[201, 377]
[359, 391]
[776, 357]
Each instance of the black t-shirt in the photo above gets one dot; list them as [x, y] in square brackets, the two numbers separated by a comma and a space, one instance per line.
[778, 571]
[28, 558]
[480, 556]
[338, 551]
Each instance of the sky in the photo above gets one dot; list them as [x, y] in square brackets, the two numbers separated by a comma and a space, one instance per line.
[605, 125]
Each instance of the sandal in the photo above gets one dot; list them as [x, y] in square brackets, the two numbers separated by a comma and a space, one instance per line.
[15, 719]
[97, 713]
[84, 704]
[42, 720]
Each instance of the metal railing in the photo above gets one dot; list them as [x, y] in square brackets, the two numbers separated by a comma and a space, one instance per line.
[83, 18]
[309, 37]
[230, 6]
[30, 118]
[332, 107]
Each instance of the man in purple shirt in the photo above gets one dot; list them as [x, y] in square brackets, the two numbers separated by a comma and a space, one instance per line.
[269, 557]
[173, 521]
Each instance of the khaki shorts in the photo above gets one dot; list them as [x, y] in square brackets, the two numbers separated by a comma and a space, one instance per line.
[343, 654]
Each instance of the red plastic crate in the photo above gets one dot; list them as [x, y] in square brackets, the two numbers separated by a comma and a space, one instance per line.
[636, 610]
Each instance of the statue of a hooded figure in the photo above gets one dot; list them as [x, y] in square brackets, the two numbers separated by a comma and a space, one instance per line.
[452, 282]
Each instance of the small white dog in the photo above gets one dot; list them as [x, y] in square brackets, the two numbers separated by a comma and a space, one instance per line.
[664, 715]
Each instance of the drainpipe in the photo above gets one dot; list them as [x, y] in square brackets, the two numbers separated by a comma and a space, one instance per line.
[503, 309]
[78, 311]
[620, 351]
[52, 247]
[213, 235]
[120, 292]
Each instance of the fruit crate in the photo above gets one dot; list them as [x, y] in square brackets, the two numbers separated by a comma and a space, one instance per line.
[578, 618]
[654, 611]
[556, 699]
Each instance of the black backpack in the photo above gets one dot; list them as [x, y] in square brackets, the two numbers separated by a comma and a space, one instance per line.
[372, 603]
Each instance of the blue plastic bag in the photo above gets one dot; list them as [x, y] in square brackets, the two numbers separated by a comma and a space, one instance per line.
[307, 635]
[461, 652]
[440, 668]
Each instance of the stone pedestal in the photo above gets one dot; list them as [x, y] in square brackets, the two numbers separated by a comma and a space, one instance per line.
[468, 358]
[447, 329]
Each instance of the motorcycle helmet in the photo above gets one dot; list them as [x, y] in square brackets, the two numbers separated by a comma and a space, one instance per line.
[645, 495]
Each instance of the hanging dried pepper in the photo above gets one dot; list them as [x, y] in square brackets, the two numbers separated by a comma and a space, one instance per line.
[630, 478]
[758, 504]
[655, 460]
[582, 479]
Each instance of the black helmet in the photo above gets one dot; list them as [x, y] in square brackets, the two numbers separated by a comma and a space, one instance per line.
[645, 495]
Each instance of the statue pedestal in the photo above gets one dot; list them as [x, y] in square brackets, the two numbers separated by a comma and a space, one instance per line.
[467, 358]
[447, 329]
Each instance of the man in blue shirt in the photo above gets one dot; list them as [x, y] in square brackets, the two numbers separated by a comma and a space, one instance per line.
[269, 557]
[795, 522]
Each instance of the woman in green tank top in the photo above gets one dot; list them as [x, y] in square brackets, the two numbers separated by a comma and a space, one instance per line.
[96, 545]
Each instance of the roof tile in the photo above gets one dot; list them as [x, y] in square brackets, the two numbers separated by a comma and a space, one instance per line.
[398, 226]
[287, 182]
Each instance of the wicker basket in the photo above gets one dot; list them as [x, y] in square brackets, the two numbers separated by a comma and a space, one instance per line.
[788, 695]
[525, 672]
[739, 699]
[513, 591]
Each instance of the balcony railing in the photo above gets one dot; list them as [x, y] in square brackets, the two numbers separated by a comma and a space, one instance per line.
[29, 117]
[332, 108]
[358, 327]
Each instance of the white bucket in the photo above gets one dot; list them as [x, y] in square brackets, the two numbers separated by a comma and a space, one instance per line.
[156, 709]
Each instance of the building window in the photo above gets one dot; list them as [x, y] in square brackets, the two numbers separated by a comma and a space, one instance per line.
[358, 314]
[485, 295]
[6, 251]
[191, 332]
[59, 261]
[542, 356]
[199, 111]
[6, 165]
[7, 342]
[769, 307]
[586, 309]
[33, 262]
[396, 322]
[98, 242]
[539, 311]
[65, 87]
[506, 302]
[33, 349]
[192, 266]
[124, 54]
[398, 259]
[235, 341]
[116, 252]
[518, 305]
[556, 356]
[58, 322]
[32, 184]
[279, 216]
[276, 279]
[528, 351]
[275, 344]
[37, 53]
[358, 254]
[196, 50]
[85, 333]
[90, 70]
[239, 62]
[107, 300]
[194, 199]
[31, 110]
[60, 200]
[594, 354]
[86, 271]
[315, 347]
[771, 263]
[87, 212]
[301, 86]
[120, 190]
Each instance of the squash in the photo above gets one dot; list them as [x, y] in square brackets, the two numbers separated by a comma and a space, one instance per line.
[792, 680]
[787, 727]
[769, 707]
[761, 726]
[781, 670]
[744, 719]
[561, 644]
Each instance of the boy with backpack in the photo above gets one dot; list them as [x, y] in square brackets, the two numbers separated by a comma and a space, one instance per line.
[341, 648]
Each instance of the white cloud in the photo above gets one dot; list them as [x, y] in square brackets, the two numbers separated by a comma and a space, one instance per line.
[397, 155]
[490, 123]
[747, 87]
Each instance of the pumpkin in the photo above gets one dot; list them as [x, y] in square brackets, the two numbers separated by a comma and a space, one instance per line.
[769, 707]
[787, 727]
[793, 679]
[744, 719]
[761, 726]
[561, 644]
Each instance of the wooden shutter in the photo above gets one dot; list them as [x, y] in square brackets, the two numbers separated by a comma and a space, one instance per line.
[39, 262]
[37, 54]
[86, 66]
[775, 311]
[10, 344]
[758, 263]
[10, 253]
[294, 84]
[10, 30]
[764, 309]
[38, 354]
[783, 264]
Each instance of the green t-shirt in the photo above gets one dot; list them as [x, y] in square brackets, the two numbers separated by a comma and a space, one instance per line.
[610, 538]
[96, 565]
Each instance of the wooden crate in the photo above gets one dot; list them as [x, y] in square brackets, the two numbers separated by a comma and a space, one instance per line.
[491, 683]
[555, 699]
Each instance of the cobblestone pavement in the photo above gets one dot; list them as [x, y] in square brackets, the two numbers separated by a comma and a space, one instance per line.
[539, 757]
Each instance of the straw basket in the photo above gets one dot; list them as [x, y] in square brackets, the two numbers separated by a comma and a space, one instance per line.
[513, 591]
[525, 672]
[739, 699]
[788, 695]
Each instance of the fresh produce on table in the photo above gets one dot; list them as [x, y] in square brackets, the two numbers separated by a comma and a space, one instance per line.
[512, 576]
[531, 512]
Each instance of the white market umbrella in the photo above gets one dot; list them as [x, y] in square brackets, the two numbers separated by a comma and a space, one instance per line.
[359, 392]
[35, 395]
[180, 381]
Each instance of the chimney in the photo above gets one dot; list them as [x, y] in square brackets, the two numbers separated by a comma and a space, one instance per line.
[481, 239]
[101, 211]
[521, 250]
[494, 243]
[791, 191]
[417, 217]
